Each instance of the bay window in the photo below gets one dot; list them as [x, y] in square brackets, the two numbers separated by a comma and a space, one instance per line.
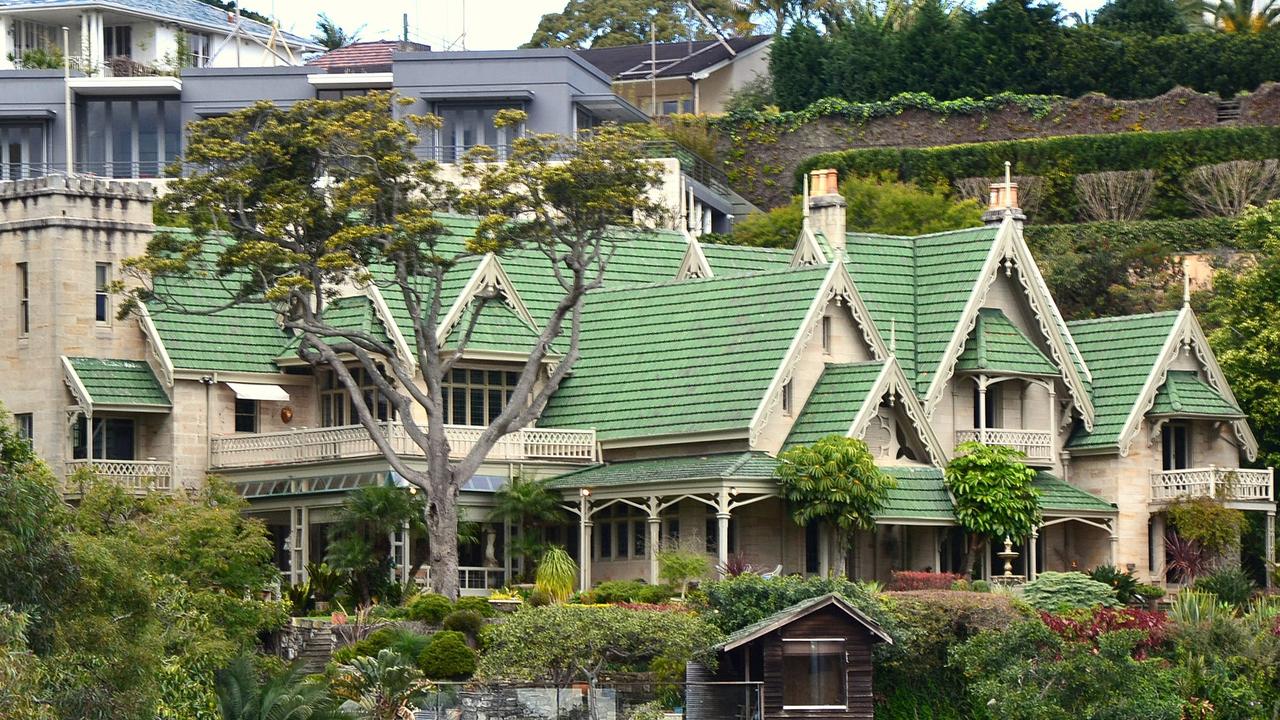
[476, 397]
[336, 406]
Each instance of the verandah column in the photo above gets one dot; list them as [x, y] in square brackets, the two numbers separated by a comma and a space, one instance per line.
[1157, 547]
[584, 539]
[655, 532]
[722, 531]
[1031, 555]
[1270, 545]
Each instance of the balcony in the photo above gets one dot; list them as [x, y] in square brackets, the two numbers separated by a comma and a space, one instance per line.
[1238, 484]
[298, 447]
[139, 477]
[1037, 445]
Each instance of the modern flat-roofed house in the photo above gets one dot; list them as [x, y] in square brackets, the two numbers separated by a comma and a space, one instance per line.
[699, 363]
[684, 77]
[123, 38]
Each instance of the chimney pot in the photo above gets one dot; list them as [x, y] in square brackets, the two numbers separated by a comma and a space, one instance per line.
[1003, 201]
[827, 206]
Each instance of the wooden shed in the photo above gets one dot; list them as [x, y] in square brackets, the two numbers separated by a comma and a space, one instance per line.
[813, 658]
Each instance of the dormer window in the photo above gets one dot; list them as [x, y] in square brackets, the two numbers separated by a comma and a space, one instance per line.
[1175, 443]
[786, 399]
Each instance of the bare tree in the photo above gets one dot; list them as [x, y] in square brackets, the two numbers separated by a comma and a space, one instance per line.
[1115, 195]
[1230, 187]
[1030, 190]
[327, 195]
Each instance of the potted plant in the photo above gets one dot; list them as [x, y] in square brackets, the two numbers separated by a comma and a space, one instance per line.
[325, 583]
[505, 600]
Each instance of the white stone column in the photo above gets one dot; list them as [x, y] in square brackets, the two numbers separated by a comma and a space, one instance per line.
[1115, 542]
[584, 539]
[1157, 547]
[722, 529]
[655, 537]
[982, 408]
[5, 46]
[1270, 545]
[1031, 555]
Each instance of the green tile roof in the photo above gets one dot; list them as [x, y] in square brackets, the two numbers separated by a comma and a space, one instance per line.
[723, 466]
[119, 382]
[354, 313]
[737, 259]
[1121, 352]
[1184, 393]
[1059, 498]
[920, 495]
[682, 357]
[497, 329]
[838, 396]
[997, 344]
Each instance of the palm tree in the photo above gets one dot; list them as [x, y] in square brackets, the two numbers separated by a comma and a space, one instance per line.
[529, 506]
[243, 696]
[362, 535]
[780, 13]
[1243, 16]
[385, 687]
[332, 37]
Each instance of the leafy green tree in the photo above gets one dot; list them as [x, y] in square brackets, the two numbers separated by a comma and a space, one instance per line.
[361, 545]
[385, 687]
[243, 695]
[993, 495]
[1150, 17]
[330, 36]
[529, 506]
[835, 482]
[885, 205]
[682, 565]
[1243, 320]
[21, 675]
[286, 204]
[610, 23]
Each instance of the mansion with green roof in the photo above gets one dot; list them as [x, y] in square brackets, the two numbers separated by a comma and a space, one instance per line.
[699, 364]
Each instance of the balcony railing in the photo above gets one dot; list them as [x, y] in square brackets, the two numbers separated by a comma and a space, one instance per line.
[1231, 483]
[353, 441]
[136, 476]
[1037, 445]
[480, 580]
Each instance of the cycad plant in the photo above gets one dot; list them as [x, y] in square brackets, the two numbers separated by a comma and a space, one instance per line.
[1243, 16]
[386, 687]
[243, 695]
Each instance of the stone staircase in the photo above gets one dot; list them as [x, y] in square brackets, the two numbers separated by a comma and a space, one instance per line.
[1228, 111]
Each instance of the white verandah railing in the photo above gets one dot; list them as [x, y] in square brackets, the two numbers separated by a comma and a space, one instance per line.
[353, 441]
[136, 476]
[1234, 483]
[1037, 445]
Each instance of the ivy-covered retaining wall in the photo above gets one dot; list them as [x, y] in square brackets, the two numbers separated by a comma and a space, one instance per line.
[762, 150]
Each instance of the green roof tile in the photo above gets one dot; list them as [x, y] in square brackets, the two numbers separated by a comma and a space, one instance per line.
[1120, 352]
[355, 313]
[920, 495]
[837, 397]
[119, 382]
[723, 466]
[497, 329]
[1184, 393]
[738, 259]
[997, 344]
[1059, 498]
[682, 357]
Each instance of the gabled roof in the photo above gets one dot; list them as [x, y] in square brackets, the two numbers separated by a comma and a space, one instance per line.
[675, 59]
[119, 383]
[1184, 393]
[997, 344]
[355, 313]
[1057, 497]
[722, 466]
[682, 357]
[834, 401]
[371, 56]
[191, 12]
[801, 609]
[1121, 352]
[739, 260]
[498, 329]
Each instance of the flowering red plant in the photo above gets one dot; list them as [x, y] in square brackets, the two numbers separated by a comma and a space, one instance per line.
[913, 580]
[1088, 628]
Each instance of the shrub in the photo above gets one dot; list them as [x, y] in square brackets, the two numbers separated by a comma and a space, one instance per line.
[464, 621]
[1090, 626]
[555, 575]
[913, 580]
[631, 591]
[1230, 585]
[980, 586]
[1057, 592]
[403, 641]
[1207, 522]
[429, 608]
[1147, 593]
[447, 657]
[679, 566]
[477, 604]
[1124, 583]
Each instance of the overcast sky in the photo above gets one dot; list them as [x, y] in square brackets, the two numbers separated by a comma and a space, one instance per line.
[490, 24]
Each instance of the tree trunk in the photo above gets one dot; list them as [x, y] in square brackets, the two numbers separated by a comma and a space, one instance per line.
[972, 546]
[442, 527]
[838, 553]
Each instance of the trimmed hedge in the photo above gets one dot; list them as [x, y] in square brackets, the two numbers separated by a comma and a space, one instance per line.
[1174, 235]
[1059, 159]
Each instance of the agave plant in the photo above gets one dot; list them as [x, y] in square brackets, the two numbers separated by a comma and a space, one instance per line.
[242, 695]
[1194, 608]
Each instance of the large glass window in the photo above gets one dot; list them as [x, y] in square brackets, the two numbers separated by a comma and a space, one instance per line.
[200, 46]
[22, 150]
[465, 126]
[117, 41]
[127, 138]
[336, 407]
[623, 532]
[813, 673]
[112, 439]
[476, 397]
[24, 300]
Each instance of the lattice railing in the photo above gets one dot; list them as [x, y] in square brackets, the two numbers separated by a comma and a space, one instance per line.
[1242, 484]
[1035, 444]
[137, 476]
[353, 441]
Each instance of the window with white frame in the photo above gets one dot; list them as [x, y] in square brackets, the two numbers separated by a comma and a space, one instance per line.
[1175, 444]
[622, 532]
[246, 415]
[24, 300]
[102, 293]
[813, 674]
[338, 409]
[200, 48]
[475, 397]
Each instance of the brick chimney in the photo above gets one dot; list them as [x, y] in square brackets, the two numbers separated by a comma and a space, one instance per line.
[827, 207]
[1004, 200]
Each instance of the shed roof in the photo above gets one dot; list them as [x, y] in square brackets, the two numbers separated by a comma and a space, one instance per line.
[119, 382]
[995, 343]
[722, 466]
[785, 617]
[1057, 497]
[1184, 393]
[674, 59]
[834, 401]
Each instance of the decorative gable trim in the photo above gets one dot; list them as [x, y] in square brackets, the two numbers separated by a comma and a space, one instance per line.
[489, 274]
[76, 386]
[1008, 247]
[694, 266]
[809, 252]
[374, 293]
[157, 353]
[1185, 336]
[836, 286]
[893, 380]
